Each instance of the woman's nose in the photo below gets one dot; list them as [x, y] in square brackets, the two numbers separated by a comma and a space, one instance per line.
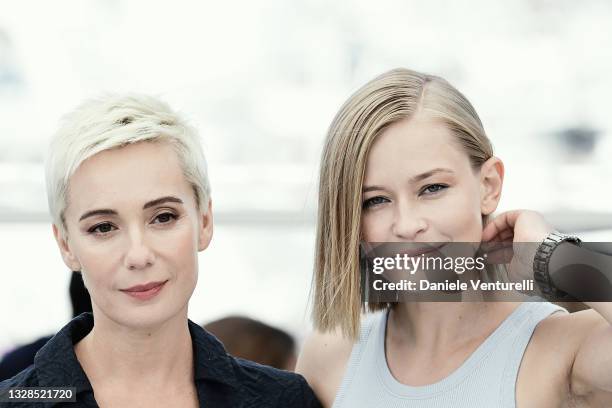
[408, 223]
[139, 254]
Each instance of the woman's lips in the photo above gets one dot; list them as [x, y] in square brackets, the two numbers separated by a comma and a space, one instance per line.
[422, 249]
[146, 291]
[409, 249]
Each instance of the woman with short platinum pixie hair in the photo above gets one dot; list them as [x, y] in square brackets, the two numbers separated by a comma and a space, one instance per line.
[130, 200]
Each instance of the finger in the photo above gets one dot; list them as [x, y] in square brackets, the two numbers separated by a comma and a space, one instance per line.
[494, 227]
[507, 235]
[497, 252]
[502, 222]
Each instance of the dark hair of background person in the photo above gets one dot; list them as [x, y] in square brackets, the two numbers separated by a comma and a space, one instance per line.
[256, 341]
[79, 296]
[23, 356]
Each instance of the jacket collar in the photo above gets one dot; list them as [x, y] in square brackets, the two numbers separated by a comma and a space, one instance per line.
[56, 363]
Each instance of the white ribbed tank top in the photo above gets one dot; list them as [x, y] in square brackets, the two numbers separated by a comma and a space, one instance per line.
[486, 379]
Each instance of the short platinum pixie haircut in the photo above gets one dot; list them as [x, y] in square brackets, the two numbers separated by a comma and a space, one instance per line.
[111, 122]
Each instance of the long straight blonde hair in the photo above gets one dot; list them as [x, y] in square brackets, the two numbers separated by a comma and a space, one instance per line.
[393, 96]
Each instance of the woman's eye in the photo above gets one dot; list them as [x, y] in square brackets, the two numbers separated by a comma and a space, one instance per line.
[164, 218]
[371, 202]
[101, 229]
[433, 188]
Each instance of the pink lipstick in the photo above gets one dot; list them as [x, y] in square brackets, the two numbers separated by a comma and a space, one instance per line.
[146, 291]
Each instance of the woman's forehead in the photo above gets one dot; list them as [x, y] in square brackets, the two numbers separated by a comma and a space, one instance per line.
[130, 175]
[415, 147]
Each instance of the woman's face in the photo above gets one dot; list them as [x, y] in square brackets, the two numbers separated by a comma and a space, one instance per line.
[419, 186]
[134, 231]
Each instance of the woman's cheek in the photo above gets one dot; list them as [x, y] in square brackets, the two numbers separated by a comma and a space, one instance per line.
[374, 225]
[180, 244]
[467, 223]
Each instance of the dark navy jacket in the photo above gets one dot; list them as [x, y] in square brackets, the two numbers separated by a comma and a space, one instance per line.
[21, 358]
[221, 380]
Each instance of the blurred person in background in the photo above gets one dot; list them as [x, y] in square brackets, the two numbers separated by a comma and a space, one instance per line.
[407, 160]
[256, 341]
[22, 357]
[129, 197]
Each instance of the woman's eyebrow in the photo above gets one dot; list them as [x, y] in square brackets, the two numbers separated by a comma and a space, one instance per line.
[413, 179]
[158, 201]
[371, 188]
[103, 211]
[152, 203]
[430, 173]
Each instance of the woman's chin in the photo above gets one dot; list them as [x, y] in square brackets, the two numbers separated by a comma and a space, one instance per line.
[148, 318]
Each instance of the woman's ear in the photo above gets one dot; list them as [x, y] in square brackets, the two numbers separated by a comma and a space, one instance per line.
[206, 228]
[491, 182]
[67, 255]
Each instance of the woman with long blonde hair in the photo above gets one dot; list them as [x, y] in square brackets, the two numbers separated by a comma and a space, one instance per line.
[407, 160]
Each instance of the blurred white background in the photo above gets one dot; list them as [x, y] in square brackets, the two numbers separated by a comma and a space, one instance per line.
[262, 81]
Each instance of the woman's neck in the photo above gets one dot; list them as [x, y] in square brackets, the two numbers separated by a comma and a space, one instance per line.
[437, 337]
[438, 327]
[114, 356]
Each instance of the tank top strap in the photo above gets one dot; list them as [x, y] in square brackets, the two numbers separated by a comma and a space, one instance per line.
[536, 311]
[363, 353]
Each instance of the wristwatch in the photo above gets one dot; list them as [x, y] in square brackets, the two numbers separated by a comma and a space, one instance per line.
[541, 260]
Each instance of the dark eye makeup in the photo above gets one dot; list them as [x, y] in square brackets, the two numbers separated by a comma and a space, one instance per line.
[104, 228]
[373, 201]
[433, 188]
[428, 190]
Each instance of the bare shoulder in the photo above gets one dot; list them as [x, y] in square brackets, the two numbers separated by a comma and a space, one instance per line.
[558, 336]
[566, 322]
[563, 333]
[553, 348]
[323, 362]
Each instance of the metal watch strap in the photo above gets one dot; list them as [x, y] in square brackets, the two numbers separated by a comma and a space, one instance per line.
[541, 260]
